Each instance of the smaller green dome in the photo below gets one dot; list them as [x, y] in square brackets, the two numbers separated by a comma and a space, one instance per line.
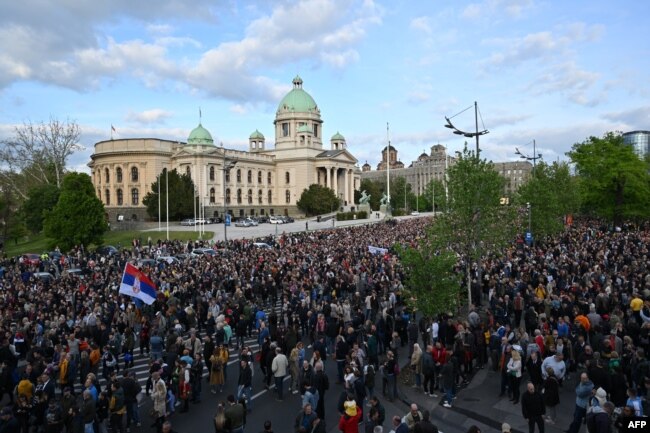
[305, 128]
[338, 136]
[257, 135]
[200, 136]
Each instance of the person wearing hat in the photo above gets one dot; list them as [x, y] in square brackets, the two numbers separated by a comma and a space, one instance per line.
[349, 421]
[505, 428]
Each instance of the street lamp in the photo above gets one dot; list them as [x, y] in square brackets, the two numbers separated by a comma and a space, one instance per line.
[533, 158]
[468, 134]
[227, 166]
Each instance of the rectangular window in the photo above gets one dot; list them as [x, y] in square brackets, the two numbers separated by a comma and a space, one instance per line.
[316, 130]
[285, 129]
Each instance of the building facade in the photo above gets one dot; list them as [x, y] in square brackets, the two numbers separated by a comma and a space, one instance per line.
[639, 140]
[434, 165]
[264, 180]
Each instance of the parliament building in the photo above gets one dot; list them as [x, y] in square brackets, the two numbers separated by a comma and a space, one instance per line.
[264, 180]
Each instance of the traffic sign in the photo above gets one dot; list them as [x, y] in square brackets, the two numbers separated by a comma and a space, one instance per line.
[227, 220]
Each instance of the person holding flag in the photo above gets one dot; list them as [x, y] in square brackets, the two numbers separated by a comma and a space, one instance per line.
[137, 285]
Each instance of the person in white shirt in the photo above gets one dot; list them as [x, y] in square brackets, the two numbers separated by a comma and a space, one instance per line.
[279, 368]
[434, 331]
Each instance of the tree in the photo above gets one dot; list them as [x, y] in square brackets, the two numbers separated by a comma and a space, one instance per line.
[39, 200]
[401, 196]
[475, 223]
[614, 183]
[318, 199]
[37, 154]
[552, 194]
[426, 199]
[432, 282]
[13, 225]
[78, 217]
[181, 195]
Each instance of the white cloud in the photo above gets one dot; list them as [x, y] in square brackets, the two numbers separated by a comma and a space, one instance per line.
[489, 9]
[635, 118]
[155, 115]
[568, 79]
[238, 109]
[77, 51]
[421, 24]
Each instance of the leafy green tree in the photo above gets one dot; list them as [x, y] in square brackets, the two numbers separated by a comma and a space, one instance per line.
[427, 198]
[552, 194]
[475, 223]
[432, 282]
[614, 182]
[401, 195]
[79, 216]
[181, 193]
[39, 200]
[318, 199]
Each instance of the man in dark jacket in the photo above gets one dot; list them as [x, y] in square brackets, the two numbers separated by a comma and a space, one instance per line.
[532, 408]
[598, 420]
[235, 415]
[425, 426]
[88, 411]
[321, 382]
[244, 383]
[131, 389]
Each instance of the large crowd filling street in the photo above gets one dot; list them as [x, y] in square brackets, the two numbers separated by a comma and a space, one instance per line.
[576, 305]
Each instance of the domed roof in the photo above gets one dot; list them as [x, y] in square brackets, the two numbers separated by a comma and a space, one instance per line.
[366, 164]
[338, 136]
[297, 99]
[257, 135]
[200, 136]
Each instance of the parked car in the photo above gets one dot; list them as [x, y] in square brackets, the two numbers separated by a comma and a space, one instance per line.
[170, 260]
[276, 220]
[107, 250]
[44, 276]
[246, 222]
[188, 222]
[147, 262]
[262, 245]
[262, 219]
[200, 221]
[215, 220]
[76, 272]
[287, 219]
[415, 213]
[200, 252]
[31, 259]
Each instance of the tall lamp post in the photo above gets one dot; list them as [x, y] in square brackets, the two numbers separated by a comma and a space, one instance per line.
[476, 134]
[535, 156]
[227, 166]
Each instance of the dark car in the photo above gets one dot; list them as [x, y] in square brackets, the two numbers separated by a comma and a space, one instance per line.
[262, 219]
[107, 250]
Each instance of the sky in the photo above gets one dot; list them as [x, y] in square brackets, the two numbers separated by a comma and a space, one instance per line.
[551, 71]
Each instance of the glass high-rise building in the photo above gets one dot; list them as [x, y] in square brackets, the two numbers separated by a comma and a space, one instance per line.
[639, 140]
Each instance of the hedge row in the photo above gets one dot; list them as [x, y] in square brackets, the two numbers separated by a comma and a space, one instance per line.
[345, 216]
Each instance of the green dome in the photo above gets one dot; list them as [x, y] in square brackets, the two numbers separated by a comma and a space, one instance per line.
[297, 99]
[200, 136]
[338, 136]
[257, 135]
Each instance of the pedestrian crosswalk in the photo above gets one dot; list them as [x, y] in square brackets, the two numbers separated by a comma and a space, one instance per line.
[141, 362]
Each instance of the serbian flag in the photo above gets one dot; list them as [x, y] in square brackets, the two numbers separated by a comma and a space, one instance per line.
[137, 285]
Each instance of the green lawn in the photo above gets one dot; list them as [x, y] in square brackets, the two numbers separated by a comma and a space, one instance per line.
[39, 243]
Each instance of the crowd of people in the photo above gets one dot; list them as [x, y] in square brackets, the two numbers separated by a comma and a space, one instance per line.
[574, 305]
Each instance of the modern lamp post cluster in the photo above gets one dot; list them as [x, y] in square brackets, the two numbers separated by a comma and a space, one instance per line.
[535, 156]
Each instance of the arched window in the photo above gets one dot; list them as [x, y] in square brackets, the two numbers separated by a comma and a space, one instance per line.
[259, 177]
[249, 177]
[260, 196]
[269, 196]
[228, 195]
[287, 177]
[120, 197]
[118, 174]
[212, 173]
[134, 174]
[227, 176]
[188, 171]
[288, 196]
[107, 175]
[211, 195]
[268, 178]
[108, 197]
[135, 196]
[239, 196]
[250, 196]
[238, 175]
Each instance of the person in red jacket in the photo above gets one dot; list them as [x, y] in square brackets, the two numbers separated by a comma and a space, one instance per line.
[439, 354]
[349, 422]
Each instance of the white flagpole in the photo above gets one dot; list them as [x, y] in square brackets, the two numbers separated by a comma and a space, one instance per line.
[167, 198]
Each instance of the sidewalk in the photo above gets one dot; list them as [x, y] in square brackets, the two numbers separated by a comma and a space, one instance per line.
[479, 404]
